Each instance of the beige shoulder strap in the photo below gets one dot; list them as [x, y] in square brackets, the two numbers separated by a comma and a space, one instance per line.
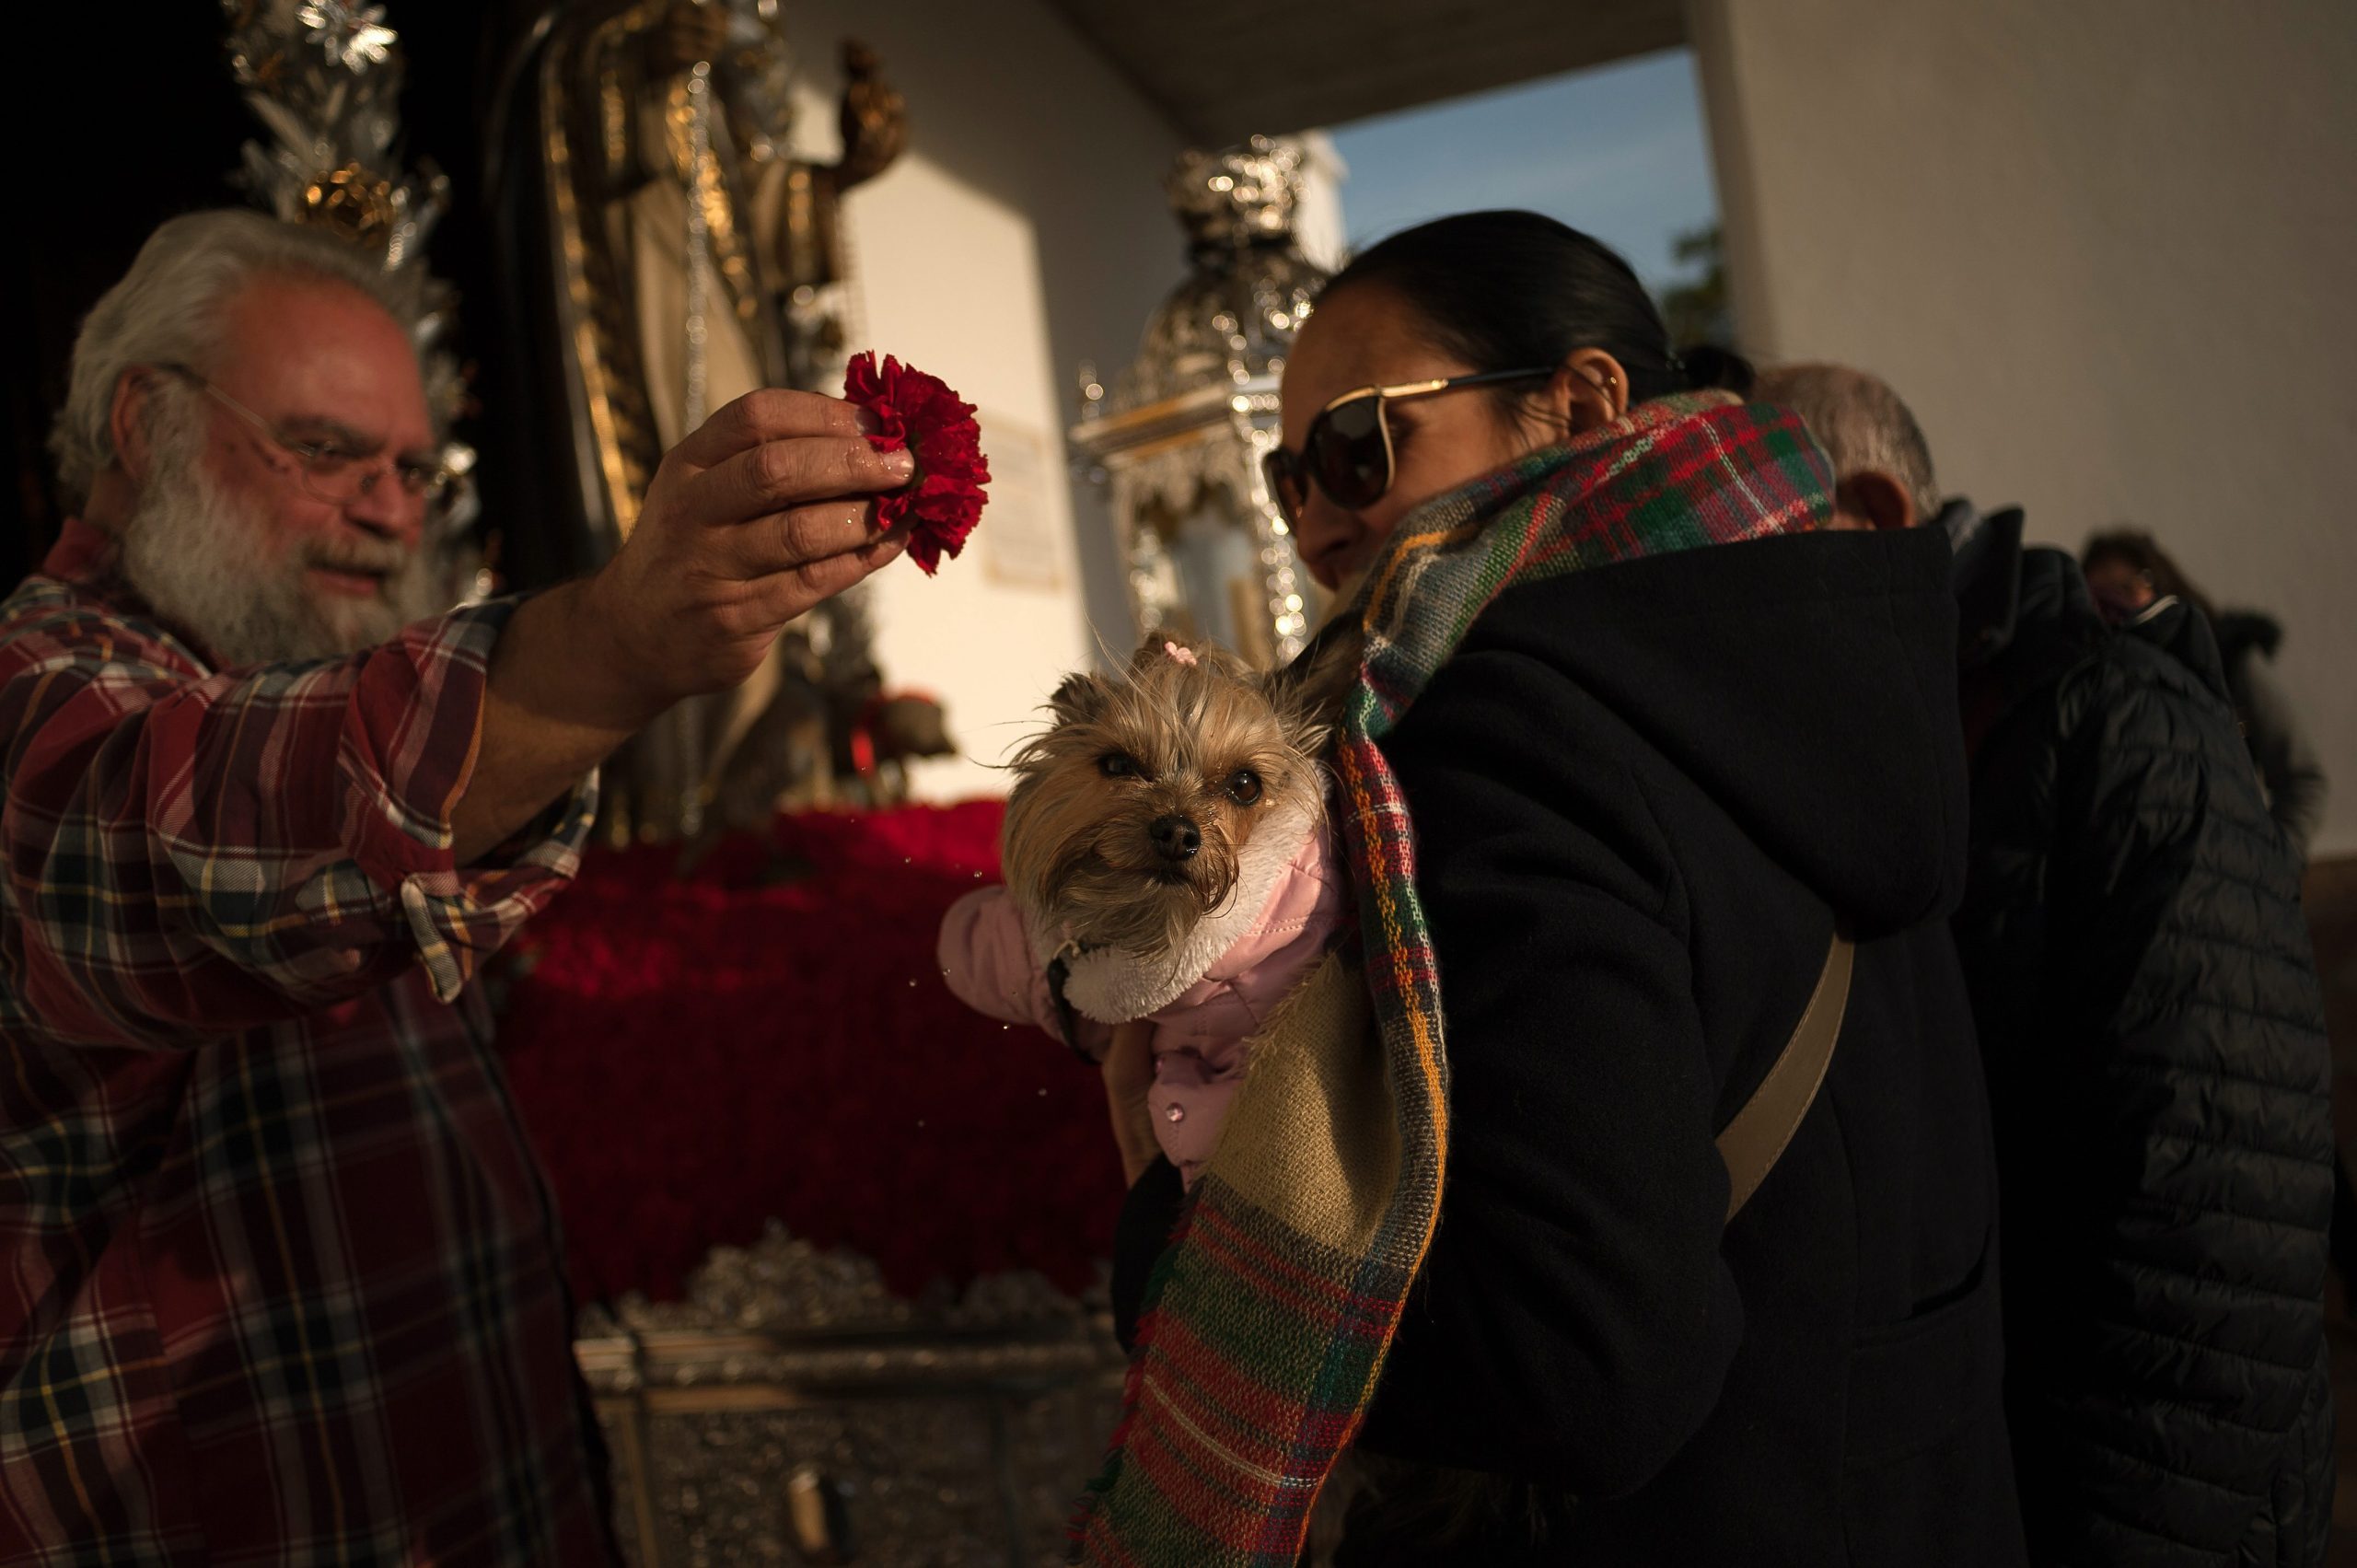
[1751, 1144]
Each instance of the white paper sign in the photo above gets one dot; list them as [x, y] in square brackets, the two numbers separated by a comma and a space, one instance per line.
[1020, 532]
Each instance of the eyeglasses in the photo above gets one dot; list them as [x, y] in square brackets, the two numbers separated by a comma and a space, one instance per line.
[333, 474]
[1347, 452]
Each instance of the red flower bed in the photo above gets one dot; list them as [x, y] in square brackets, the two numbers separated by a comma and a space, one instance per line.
[695, 1056]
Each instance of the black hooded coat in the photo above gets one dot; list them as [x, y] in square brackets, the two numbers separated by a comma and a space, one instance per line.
[1643, 795]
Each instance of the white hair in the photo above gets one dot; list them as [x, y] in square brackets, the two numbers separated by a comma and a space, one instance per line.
[170, 307]
[1859, 422]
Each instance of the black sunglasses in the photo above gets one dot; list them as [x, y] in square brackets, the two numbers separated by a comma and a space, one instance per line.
[1347, 453]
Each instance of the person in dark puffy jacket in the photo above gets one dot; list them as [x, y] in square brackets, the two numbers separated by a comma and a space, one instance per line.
[2153, 1032]
[2132, 576]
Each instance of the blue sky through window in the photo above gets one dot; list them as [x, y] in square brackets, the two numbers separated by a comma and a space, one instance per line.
[1618, 151]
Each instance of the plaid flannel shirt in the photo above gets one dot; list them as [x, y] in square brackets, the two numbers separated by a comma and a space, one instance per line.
[283, 1279]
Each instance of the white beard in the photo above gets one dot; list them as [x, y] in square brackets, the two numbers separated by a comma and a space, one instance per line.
[199, 560]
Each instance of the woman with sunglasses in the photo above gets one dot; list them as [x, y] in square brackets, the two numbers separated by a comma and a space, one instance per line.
[1660, 739]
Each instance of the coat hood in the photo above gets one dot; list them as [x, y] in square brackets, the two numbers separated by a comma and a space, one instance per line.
[1808, 682]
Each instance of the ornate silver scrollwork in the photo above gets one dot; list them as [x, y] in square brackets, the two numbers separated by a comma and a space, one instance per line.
[324, 78]
[793, 1410]
[1177, 440]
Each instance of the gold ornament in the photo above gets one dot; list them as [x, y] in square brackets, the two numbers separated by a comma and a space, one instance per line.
[353, 203]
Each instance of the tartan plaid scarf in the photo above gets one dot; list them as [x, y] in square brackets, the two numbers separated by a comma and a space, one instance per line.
[1269, 1314]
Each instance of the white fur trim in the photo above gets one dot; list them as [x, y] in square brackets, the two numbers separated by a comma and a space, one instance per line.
[1114, 987]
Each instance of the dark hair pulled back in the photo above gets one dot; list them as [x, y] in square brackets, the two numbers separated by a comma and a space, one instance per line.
[1505, 290]
[2143, 553]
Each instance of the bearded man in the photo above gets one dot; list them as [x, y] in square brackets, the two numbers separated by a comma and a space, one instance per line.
[283, 1280]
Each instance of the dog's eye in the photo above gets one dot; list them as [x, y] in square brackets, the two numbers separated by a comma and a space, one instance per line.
[1117, 765]
[1244, 786]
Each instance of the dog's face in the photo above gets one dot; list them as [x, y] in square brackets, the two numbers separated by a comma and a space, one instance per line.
[1130, 814]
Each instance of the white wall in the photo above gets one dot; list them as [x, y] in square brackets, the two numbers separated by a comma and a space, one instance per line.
[2107, 250]
[1024, 230]
[1319, 221]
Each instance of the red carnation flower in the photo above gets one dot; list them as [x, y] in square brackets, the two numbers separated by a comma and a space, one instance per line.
[916, 411]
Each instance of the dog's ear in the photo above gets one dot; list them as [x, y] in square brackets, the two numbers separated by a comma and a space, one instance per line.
[1309, 694]
[1082, 698]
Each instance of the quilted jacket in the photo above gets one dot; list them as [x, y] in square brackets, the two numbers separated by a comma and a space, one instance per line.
[2153, 1032]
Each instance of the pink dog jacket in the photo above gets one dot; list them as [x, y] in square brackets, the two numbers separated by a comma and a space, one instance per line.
[1205, 999]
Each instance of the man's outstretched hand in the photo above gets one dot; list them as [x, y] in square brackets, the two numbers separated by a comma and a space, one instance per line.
[761, 513]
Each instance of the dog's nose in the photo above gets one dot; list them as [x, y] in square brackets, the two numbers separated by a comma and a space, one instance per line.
[1175, 837]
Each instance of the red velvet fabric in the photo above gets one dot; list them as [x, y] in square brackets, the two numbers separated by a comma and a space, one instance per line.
[694, 1056]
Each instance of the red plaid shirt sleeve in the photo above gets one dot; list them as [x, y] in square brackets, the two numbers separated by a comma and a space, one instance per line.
[189, 852]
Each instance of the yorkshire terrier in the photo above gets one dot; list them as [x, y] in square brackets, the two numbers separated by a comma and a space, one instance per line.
[1168, 858]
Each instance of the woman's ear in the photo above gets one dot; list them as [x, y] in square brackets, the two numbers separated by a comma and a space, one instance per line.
[1592, 388]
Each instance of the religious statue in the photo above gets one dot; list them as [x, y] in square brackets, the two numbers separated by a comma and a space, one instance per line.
[664, 252]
